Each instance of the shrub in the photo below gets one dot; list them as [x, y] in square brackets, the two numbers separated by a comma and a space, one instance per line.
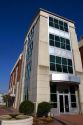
[43, 109]
[26, 107]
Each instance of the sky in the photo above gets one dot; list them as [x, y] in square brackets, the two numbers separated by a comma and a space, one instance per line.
[15, 18]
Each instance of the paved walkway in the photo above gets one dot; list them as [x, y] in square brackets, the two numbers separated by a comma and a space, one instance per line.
[68, 120]
[59, 120]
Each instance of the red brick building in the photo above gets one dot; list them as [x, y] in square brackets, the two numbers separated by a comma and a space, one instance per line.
[81, 48]
[15, 81]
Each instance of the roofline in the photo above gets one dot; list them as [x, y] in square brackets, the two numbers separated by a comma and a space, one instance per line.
[37, 14]
[54, 14]
[21, 54]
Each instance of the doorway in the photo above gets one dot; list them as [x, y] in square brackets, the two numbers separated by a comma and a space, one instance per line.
[64, 103]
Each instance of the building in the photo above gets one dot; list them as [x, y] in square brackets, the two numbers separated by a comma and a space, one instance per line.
[81, 48]
[15, 82]
[1, 98]
[51, 71]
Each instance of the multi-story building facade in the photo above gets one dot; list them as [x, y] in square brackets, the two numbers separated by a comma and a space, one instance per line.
[15, 82]
[51, 68]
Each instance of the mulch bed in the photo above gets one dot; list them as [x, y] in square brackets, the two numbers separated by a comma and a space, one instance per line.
[42, 120]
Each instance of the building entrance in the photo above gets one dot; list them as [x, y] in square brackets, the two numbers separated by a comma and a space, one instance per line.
[64, 103]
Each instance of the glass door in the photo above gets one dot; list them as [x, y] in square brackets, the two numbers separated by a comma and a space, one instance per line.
[61, 103]
[64, 103]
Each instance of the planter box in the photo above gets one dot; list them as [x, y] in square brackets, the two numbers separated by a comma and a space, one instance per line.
[27, 121]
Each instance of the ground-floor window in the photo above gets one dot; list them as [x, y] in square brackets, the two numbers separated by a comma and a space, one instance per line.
[73, 96]
[53, 95]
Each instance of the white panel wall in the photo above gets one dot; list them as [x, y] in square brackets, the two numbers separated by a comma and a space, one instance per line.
[59, 32]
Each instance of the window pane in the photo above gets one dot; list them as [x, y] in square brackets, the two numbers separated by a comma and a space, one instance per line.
[66, 29]
[51, 43]
[58, 68]
[53, 98]
[54, 105]
[73, 98]
[52, 88]
[72, 89]
[52, 58]
[65, 24]
[70, 69]
[64, 61]
[67, 41]
[51, 36]
[56, 21]
[69, 62]
[62, 40]
[57, 38]
[64, 68]
[73, 105]
[61, 27]
[68, 47]
[61, 23]
[56, 25]
[58, 60]
[52, 66]
[51, 24]
[62, 45]
[57, 44]
[51, 19]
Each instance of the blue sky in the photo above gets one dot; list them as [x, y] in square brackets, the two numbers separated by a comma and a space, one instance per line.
[15, 17]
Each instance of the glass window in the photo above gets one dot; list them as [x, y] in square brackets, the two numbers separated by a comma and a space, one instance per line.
[67, 41]
[73, 98]
[57, 44]
[58, 60]
[51, 43]
[73, 105]
[62, 40]
[64, 61]
[62, 45]
[53, 97]
[66, 29]
[52, 58]
[57, 38]
[65, 24]
[51, 24]
[70, 69]
[60, 64]
[51, 19]
[56, 21]
[72, 89]
[64, 68]
[61, 27]
[56, 25]
[51, 36]
[58, 68]
[61, 23]
[69, 62]
[52, 66]
[68, 47]
[52, 87]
